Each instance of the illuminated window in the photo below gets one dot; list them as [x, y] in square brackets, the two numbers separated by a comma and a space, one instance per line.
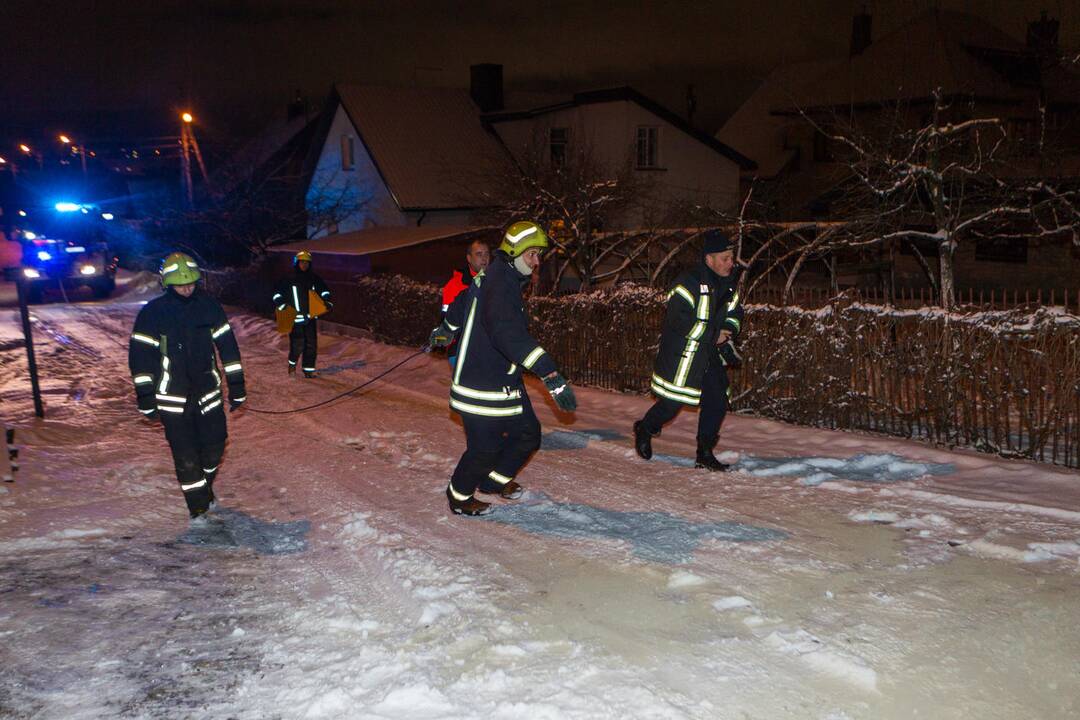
[648, 147]
[558, 139]
[348, 160]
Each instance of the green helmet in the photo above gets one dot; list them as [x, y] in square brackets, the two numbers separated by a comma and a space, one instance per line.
[523, 235]
[179, 269]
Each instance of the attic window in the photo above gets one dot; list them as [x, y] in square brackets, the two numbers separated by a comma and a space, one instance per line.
[558, 138]
[348, 159]
[648, 147]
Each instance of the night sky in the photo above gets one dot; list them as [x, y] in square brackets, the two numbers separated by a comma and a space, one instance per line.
[132, 65]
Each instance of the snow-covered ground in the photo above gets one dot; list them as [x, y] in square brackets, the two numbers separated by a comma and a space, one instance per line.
[832, 575]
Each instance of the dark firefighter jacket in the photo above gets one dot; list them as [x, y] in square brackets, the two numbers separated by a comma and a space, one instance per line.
[699, 305]
[494, 343]
[293, 292]
[456, 285]
[171, 354]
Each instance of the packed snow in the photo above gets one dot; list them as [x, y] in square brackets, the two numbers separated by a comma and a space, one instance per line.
[828, 575]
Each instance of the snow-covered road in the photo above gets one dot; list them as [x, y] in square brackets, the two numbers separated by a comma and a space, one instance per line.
[832, 576]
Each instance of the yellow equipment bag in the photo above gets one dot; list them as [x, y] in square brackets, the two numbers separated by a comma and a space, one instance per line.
[315, 304]
[285, 319]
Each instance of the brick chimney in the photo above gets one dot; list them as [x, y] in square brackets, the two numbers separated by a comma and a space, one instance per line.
[1042, 35]
[486, 86]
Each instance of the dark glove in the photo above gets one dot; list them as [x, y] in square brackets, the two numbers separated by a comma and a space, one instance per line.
[441, 336]
[234, 404]
[729, 354]
[153, 416]
[561, 392]
[329, 305]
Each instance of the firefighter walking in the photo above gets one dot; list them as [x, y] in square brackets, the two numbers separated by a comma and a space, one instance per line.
[487, 391]
[300, 300]
[702, 321]
[177, 379]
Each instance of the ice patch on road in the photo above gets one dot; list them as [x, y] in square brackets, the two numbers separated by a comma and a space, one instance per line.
[813, 652]
[226, 528]
[682, 579]
[655, 536]
[334, 369]
[881, 517]
[731, 603]
[577, 439]
[883, 468]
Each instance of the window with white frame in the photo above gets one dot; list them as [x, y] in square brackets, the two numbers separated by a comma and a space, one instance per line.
[348, 159]
[648, 147]
[558, 139]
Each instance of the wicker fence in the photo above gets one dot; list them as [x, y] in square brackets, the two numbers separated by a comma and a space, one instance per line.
[1006, 382]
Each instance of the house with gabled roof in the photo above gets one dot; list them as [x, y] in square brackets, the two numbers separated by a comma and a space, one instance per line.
[619, 126]
[976, 66]
[427, 161]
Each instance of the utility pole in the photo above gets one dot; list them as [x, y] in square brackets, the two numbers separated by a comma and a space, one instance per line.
[189, 145]
[28, 338]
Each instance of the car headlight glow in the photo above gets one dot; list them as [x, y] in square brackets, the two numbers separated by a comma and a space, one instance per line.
[87, 270]
[43, 255]
[31, 273]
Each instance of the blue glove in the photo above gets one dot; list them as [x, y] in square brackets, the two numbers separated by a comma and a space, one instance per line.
[561, 392]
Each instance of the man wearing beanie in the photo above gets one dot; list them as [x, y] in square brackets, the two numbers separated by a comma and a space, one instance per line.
[703, 318]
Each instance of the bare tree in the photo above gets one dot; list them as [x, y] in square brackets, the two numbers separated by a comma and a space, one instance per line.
[950, 179]
[580, 197]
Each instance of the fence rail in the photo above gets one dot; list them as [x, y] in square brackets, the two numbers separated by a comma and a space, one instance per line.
[915, 297]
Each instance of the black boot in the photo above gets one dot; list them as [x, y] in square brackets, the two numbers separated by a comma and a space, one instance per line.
[468, 506]
[643, 440]
[705, 458]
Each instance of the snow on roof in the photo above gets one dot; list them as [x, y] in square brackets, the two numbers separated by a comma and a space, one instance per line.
[424, 141]
[377, 239]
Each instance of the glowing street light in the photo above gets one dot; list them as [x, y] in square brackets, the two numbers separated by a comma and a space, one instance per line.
[186, 117]
[64, 139]
[3, 161]
[25, 148]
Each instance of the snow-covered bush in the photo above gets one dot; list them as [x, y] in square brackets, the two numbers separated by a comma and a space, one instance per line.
[1005, 381]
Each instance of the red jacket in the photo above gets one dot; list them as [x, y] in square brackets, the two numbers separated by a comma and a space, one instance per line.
[454, 286]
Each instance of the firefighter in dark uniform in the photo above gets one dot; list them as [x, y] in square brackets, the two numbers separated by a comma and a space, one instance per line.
[177, 379]
[293, 292]
[696, 345]
[501, 429]
[477, 258]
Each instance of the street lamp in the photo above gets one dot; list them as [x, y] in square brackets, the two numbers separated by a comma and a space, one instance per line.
[81, 150]
[186, 117]
[25, 148]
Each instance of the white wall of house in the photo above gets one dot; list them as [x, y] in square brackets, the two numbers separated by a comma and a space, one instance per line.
[686, 169]
[361, 186]
[361, 189]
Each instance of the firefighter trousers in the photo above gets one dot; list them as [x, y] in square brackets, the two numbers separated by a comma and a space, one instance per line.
[711, 412]
[496, 448]
[197, 441]
[303, 340]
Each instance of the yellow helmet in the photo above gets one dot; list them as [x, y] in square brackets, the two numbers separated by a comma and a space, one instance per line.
[521, 236]
[179, 269]
[303, 255]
